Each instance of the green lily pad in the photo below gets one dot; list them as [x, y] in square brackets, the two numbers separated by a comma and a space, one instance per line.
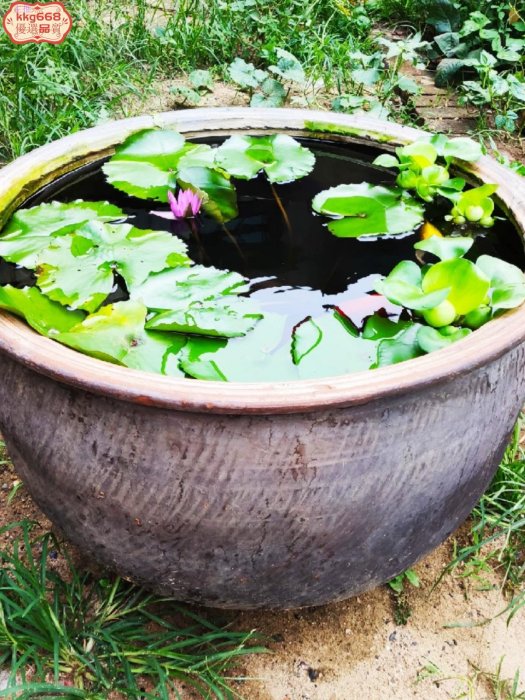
[178, 287]
[226, 317]
[116, 334]
[153, 161]
[366, 209]
[28, 230]
[78, 269]
[328, 346]
[260, 356]
[465, 283]
[42, 314]
[281, 157]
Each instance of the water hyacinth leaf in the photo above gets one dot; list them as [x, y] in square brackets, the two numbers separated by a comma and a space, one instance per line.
[281, 157]
[403, 286]
[431, 339]
[507, 282]
[78, 269]
[368, 210]
[226, 317]
[260, 356]
[42, 314]
[378, 327]
[465, 283]
[116, 334]
[28, 230]
[461, 147]
[402, 347]
[386, 160]
[328, 345]
[419, 153]
[445, 248]
[179, 286]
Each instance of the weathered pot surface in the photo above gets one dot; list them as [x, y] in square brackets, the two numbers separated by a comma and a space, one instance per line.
[256, 495]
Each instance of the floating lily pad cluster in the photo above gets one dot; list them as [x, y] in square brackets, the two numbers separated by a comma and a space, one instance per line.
[178, 318]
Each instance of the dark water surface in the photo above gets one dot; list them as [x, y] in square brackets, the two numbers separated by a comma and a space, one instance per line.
[294, 272]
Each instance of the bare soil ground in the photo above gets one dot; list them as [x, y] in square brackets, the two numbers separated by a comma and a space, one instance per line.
[451, 645]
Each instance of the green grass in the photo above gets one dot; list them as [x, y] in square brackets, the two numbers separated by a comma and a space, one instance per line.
[49, 91]
[497, 537]
[72, 635]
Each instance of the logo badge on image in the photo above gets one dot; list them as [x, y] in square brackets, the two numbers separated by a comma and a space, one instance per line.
[37, 23]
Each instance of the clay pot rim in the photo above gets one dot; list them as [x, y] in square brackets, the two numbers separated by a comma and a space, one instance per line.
[27, 174]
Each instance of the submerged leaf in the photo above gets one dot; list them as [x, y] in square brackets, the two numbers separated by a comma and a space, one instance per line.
[367, 209]
[28, 230]
[226, 317]
[78, 269]
[281, 157]
[171, 289]
[260, 356]
[42, 314]
[116, 334]
[378, 327]
[328, 345]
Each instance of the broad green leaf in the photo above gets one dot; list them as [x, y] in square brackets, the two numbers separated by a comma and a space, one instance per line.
[419, 153]
[288, 67]
[272, 94]
[220, 200]
[378, 327]
[281, 157]
[28, 230]
[246, 75]
[507, 282]
[328, 346]
[116, 334]
[462, 148]
[201, 80]
[448, 70]
[368, 210]
[260, 356]
[154, 146]
[140, 179]
[445, 248]
[154, 161]
[78, 269]
[180, 286]
[402, 347]
[431, 339]
[477, 196]
[226, 317]
[403, 287]
[467, 285]
[42, 314]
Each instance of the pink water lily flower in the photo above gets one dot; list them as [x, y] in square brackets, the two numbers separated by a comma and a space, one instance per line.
[183, 206]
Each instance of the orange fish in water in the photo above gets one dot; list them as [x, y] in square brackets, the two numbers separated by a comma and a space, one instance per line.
[358, 309]
[428, 230]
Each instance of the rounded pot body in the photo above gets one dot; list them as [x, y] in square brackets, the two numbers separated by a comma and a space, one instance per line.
[255, 495]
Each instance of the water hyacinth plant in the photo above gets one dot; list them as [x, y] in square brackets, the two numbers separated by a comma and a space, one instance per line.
[178, 318]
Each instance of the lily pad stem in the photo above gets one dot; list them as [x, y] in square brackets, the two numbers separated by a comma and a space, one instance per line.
[281, 208]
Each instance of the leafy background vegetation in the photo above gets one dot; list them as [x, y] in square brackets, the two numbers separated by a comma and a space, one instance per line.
[326, 53]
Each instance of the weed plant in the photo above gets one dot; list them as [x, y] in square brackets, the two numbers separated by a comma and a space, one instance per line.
[71, 635]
